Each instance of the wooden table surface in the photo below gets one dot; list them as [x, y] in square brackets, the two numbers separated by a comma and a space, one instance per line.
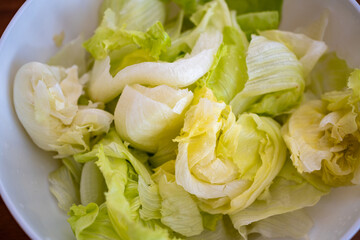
[9, 228]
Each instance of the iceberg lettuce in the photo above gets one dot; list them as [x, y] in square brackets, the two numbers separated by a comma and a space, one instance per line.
[227, 163]
[323, 135]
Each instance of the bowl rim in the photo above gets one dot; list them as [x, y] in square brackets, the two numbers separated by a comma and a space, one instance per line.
[6, 198]
[4, 195]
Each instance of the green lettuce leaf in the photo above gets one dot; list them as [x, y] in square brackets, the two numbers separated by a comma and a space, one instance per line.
[246, 6]
[149, 118]
[328, 74]
[123, 202]
[212, 16]
[251, 23]
[276, 82]
[307, 50]
[323, 135]
[65, 183]
[92, 185]
[109, 37]
[135, 14]
[210, 221]
[188, 6]
[103, 87]
[289, 191]
[178, 210]
[229, 72]
[212, 150]
[91, 222]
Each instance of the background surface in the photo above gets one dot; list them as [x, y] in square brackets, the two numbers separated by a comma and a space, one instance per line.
[9, 229]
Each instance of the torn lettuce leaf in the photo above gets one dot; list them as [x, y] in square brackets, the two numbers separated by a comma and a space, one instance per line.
[246, 6]
[91, 222]
[65, 183]
[275, 83]
[46, 102]
[178, 210]
[328, 74]
[212, 147]
[181, 73]
[229, 73]
[92, 184]
[134, 14]
[290, 191]
[109, 37]
[323, 135]
[307, 50]
[212, 16]
[149, 118]
[122, 198]
[253, 22]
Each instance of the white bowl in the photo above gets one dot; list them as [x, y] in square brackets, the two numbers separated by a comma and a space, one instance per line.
[24, 168]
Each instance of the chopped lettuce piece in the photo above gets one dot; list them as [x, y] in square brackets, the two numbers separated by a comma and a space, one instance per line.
[188, 6]
[247, 6]
[134, 14]
[229, 73]
[212, 150]
[45, 99]
[65, 183]
[92, 185]
[212, 16]
[122, 198]
[328, 74]
[323, 135]
[151, 117]
[91, 222]
[276, 82]
[109, 37]
[181, 73]
[289, 191]
[178, 210]
[251, 23]
[307, 50]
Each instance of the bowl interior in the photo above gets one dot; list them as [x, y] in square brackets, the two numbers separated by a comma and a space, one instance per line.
[24, 167]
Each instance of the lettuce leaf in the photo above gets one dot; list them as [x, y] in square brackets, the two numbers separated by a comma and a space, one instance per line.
[46, 102]
[289, 191]
[229, 72]
[247, 6]
[323, 138]
[151, 117]
[92, 185]
[91, 222]
[65, 183]
[251, 23]
[181, 73]
[212, 150]
[307, 50]
[276, 82]
[109, 37]
[134, 14]
[328, 74]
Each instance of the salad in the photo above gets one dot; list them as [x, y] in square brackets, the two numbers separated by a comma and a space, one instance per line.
[186, 119]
